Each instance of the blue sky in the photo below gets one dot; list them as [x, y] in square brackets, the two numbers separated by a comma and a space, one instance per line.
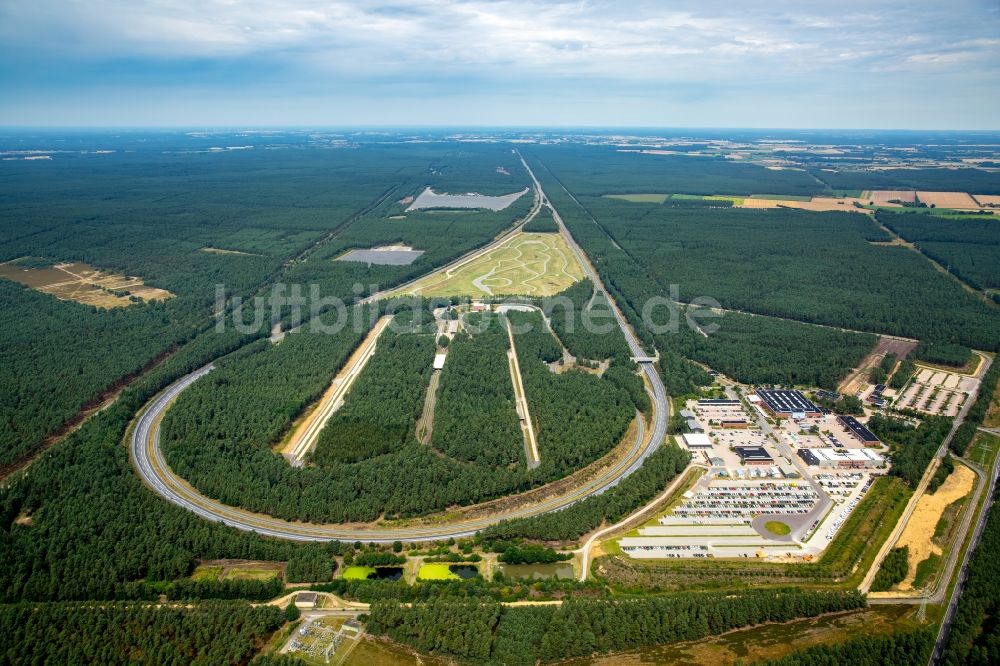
[738, 63]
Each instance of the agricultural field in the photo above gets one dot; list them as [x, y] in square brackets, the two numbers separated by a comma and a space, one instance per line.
[528, 264]
[956, 200]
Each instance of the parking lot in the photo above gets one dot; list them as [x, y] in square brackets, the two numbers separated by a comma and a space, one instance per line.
[936, 391]
[779, 509]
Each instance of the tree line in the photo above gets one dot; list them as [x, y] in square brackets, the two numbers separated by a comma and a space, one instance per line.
[912, 447]
[208, 633]
[974, 637]
[900, 648]
[487, 632]
[661, 467]
[974, 418]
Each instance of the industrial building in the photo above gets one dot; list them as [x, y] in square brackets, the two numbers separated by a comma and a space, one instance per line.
[697, 440]
[754, 455]
[788, 404]
[858, 430]
[842, 459]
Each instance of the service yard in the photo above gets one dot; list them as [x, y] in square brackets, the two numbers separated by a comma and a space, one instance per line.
[936, 391]
[528, 264]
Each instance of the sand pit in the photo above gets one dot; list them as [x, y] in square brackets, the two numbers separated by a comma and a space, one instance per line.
[920, 529]
[959, 200]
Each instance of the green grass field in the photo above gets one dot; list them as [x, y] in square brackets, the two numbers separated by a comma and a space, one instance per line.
[777, 527]
[529, 264]
[206, 573]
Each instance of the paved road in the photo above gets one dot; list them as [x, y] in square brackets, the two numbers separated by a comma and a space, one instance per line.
[921, 487]
[963, 571]
[149, 462]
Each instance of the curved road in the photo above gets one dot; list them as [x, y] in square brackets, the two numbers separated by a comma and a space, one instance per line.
[149, 462]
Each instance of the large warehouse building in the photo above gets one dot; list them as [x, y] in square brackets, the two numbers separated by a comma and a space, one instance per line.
[858, 430]
[788, 404]
[842, 459]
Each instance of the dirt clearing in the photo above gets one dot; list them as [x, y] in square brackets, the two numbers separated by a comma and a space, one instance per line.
[920, 530]
[83, 283]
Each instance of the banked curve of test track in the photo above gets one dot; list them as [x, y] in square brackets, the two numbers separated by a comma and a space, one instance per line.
[149, 462]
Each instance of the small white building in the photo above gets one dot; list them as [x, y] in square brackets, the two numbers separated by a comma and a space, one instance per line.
[439, 361]
[697, 440]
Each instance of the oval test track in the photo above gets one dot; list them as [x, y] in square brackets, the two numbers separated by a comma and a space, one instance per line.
[149, 462]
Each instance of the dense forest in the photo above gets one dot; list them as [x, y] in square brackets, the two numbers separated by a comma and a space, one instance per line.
[749, 348]
[487, 632]
[969, 248]
[912, 447]
[943, 353]
[474, 414]
[976, 181]
[380, 412]
[893, 569]
[578, 416]
[152, 214]
[974, 638]
[598, 170]
[219, 434]
[209, 633]
[659, 469]
[816, 267]
[81, 525]
[902, 648]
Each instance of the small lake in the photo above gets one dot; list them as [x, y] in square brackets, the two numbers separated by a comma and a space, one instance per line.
[560, 570]
[387, 573]
[464, 571]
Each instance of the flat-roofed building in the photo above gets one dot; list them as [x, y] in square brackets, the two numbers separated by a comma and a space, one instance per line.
[754, 455]
[788, 404]
[697, 440]
[858, 430]
[843, 458]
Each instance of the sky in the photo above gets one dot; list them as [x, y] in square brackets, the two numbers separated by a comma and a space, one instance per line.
[701, 63]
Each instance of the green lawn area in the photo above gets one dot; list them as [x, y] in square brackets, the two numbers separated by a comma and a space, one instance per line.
[527, 264]
[777, 527]
[436, 571]
[203, 573]
[639, 198]
[250, 573]
[358, 573]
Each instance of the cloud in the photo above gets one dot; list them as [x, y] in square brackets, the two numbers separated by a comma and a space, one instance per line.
[645, 48]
